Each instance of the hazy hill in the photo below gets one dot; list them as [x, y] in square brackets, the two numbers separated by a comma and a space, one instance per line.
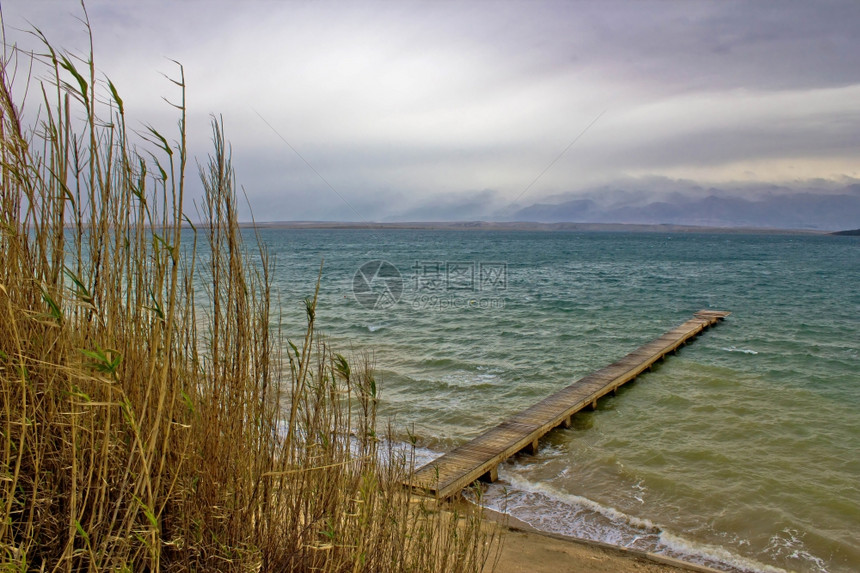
[805, 210]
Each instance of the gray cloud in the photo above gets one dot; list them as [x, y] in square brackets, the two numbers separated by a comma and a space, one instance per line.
[405, 107]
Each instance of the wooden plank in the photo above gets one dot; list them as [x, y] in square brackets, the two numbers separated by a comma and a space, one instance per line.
[479, 458]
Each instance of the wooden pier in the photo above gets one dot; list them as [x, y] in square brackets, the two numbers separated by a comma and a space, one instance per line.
[479, 458]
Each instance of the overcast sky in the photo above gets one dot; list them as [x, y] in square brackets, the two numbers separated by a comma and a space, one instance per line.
[447, 110]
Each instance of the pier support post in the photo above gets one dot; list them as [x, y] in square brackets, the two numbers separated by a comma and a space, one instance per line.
[567, 422]
[532, 448]
[490, 475]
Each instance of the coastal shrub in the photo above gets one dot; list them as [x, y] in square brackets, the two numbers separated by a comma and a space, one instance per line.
[152, 416]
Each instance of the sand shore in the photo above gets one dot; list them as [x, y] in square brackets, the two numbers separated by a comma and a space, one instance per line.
[525, 549]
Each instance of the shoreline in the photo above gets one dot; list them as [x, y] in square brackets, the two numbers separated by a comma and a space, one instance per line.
[526, 549]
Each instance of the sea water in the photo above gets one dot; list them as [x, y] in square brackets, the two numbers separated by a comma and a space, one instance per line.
[741, 452]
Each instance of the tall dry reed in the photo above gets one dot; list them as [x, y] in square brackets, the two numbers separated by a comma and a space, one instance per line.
[151, 417]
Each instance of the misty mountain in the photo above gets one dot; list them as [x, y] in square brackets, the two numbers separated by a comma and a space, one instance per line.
[801, 210]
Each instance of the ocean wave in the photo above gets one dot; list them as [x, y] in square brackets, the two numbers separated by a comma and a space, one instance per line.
[789, 543]
[549, 509]
[743, 350]
[705, 553]
[470, 380]
[546, 508]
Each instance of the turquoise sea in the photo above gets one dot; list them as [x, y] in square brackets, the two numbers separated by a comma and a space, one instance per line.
[741, 452]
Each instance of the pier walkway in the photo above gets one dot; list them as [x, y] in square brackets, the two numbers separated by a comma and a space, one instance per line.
[479, 458]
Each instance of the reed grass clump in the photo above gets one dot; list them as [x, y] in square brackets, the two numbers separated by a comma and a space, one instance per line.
[152, 418]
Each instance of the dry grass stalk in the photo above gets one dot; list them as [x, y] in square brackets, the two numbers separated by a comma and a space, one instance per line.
[147, 422]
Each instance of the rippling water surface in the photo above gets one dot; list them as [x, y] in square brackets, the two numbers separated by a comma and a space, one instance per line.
[742, 451]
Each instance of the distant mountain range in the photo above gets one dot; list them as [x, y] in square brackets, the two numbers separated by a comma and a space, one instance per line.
[519, 226]
[800, 210]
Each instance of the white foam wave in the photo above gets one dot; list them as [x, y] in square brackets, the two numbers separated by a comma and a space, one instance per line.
[611, 513]
[465, 378]
[789, 542]
[743, 350]
[577, 516]
[677, 545]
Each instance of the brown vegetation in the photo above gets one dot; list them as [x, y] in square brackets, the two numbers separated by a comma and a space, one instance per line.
[151, 417]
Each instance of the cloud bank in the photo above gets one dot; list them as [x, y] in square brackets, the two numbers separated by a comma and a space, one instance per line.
[423, 110]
